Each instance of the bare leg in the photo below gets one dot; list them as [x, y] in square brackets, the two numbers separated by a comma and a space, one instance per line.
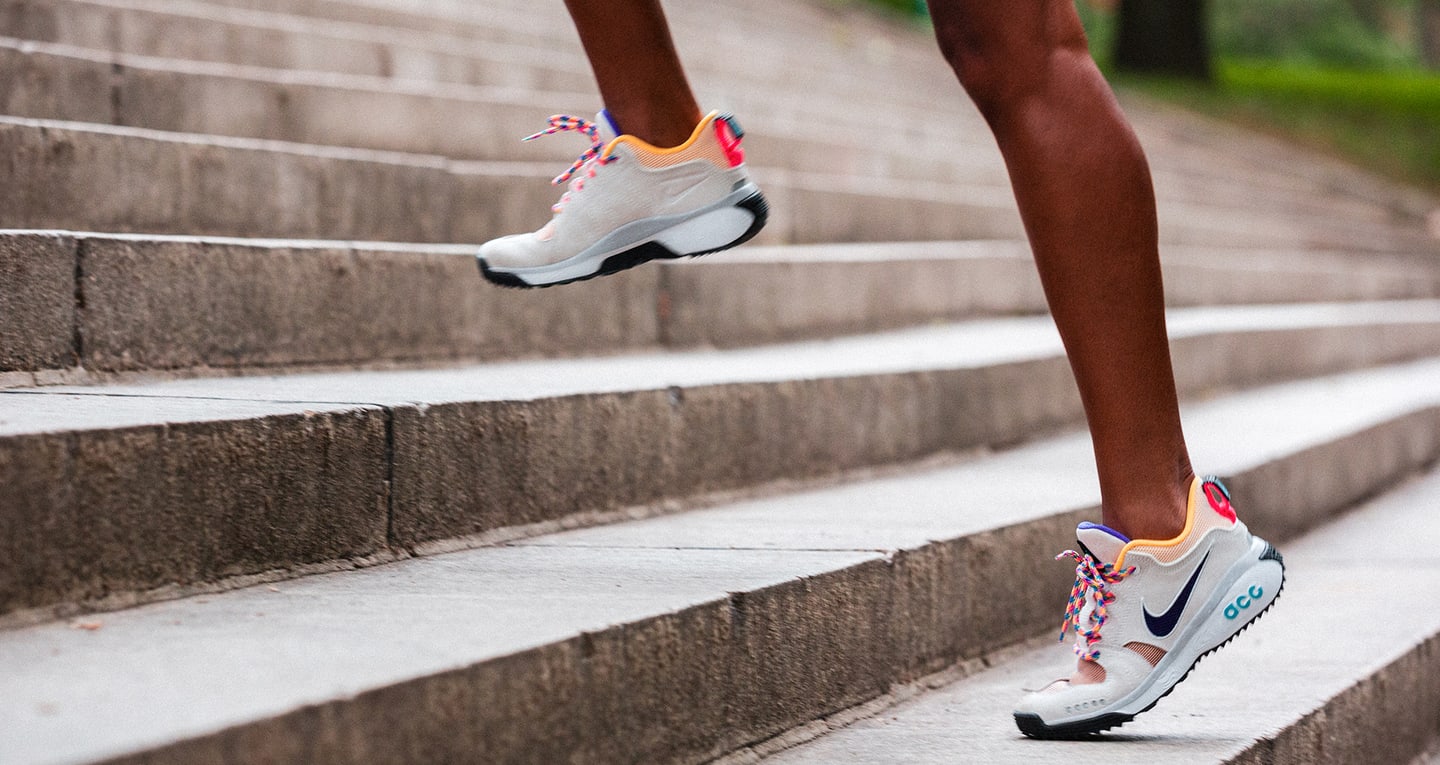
[635, 64]
[1084, 193]
[1085, 196]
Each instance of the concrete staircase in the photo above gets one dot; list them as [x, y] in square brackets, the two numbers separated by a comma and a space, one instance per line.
[282, 480]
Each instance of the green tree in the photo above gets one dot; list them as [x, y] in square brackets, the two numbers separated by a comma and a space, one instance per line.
[1427, 21]
[1163, 37]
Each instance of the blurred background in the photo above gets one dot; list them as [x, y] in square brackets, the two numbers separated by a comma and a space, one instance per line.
[1357, 78]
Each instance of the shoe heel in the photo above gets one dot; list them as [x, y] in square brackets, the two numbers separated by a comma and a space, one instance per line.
[718, 229]
[1249, 597]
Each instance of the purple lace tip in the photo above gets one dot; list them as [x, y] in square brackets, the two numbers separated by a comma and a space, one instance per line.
[1106, 529]
[610, 120]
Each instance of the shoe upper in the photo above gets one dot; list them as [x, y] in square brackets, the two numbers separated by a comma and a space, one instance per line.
[1135, 600]
[622, 179]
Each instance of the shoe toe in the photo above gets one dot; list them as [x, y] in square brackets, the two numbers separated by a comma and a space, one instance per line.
[507, 252]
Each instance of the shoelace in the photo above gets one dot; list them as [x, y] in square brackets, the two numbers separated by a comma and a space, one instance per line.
[562, 123]
[1092, 580]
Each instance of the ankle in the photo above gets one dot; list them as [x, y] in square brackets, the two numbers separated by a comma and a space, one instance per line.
[1155, 517]
[661, 128]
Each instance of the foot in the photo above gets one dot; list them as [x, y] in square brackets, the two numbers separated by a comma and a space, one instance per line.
[1162, 605]
[630, 202]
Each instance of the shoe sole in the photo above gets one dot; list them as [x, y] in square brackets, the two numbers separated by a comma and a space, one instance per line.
[1033, 726]
[691, 237]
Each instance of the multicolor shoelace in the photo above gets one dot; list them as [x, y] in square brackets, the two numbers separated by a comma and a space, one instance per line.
[1092, 580]
[562, 123]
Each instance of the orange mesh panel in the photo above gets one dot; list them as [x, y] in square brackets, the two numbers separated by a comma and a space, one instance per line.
[1205, 519]
[1087, 673]
[705, 147]
[1150, 653]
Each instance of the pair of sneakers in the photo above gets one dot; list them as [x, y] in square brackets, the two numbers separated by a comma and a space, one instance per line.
[1144, 612]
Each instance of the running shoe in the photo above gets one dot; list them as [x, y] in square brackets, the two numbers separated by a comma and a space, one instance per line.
[629, 202]
[1145, 612]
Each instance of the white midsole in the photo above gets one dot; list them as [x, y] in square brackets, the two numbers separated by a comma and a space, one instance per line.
[708, 230]
[704, 232]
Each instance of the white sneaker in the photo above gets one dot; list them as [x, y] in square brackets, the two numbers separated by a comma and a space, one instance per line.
[1161, 605]
[630, 202]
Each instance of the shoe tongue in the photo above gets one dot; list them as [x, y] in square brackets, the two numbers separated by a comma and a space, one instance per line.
[609, 130]
[1102, 542]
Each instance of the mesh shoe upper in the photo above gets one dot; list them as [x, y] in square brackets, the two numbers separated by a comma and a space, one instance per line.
[621, 180]
[1137, 601]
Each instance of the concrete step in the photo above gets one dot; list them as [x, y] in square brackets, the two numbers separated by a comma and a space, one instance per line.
[196, 31]
[81, 176]
[244, 36]
[194, 184]
[210, 32]
[819, 49]
[280, 475]
[1174, 134]
[66, 83]
[1295, 688]
[296, 106]
[87, 307]
[62, 82]
[680, 638]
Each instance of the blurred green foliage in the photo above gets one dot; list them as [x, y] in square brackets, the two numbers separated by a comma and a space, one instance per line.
[1340, 75]
[1387, 120]
[1317, 71]
[1328, 32]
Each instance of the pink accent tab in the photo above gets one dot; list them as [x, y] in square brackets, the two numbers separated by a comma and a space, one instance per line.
[729, 142]
[1219, 501]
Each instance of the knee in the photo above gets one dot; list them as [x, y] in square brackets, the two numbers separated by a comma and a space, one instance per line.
[1002, 62]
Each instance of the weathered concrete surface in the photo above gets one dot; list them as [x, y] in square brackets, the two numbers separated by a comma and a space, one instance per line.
[204, 32]
[124, 179]
[1362, 694]
[108, 494]
[481, 448]
[163, 303]
[317, 108]
[37, 303]
[469, 122]
[185, 303]
[675, 639]
[177, 182]
[54, 87]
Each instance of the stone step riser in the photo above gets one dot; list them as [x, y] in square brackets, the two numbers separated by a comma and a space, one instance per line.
[155, 305]
[412, 476]
[742, 669]
[1387, 717]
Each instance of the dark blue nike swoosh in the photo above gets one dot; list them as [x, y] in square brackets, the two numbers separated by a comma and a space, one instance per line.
[1164, 624]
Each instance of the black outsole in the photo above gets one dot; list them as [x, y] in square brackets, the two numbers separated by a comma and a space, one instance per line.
[641, 253]
[1032, 726]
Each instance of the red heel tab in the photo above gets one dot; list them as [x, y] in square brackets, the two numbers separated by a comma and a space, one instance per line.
[1219, 497]
[729, 133]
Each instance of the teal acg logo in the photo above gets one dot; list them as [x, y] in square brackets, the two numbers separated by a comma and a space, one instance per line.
[1243, 602]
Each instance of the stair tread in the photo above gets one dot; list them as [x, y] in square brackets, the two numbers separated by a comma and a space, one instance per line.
[962, 345]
